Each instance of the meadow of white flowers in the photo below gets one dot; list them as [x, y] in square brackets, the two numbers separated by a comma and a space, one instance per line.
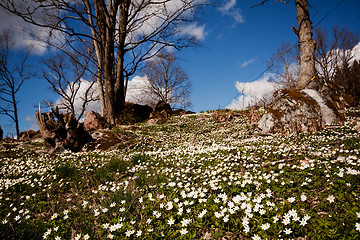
[191, 178]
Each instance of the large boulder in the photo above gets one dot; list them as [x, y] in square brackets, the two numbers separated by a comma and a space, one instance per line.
[135, 113]
[94, 121]
[294, 111]
[161, 110]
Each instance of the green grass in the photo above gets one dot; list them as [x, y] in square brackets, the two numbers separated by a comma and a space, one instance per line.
[189, 178]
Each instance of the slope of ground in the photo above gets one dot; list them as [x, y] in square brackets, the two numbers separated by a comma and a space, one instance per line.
[201, 176]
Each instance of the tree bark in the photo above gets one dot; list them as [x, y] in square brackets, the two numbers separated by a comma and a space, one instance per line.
[66, 132]
[307, 45]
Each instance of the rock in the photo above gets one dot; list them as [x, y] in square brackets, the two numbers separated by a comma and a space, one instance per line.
[153, 121]
[107, 140]
[336, 96]
[29, 135]
[161, 110]
[357, 127]
[94, 121]
[294, 111]
[1, 134]
[179, 112]
[137, 113]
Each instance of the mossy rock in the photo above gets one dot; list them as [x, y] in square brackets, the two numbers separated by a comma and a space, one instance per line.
[297, 111]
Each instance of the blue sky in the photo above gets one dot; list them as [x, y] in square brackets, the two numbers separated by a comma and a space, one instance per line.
[237, 42]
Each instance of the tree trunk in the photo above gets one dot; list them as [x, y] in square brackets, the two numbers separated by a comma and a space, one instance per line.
[307, 45]
[120, 77]
[16, 118]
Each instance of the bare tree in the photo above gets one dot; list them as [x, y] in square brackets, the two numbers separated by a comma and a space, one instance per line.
[286, 65]
[168, 81]
[306, 44]
[14, 71]
[123, 34]
[66, 74]
[331, 54]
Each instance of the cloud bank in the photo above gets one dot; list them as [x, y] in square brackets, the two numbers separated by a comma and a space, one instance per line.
[138, 92]
[253, 93]
[83, 85]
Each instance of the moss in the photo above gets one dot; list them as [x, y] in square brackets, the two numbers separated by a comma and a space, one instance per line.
[276, 113]
[299, 96]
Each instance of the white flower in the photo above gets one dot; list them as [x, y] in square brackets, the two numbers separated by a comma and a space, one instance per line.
[96, 212]
[128, 233]
[303, 197]
[57, 238]
[331, 198]
[138, 233]
[358, 214]
[169, 205]
[357, 225]
[265, 226]
[170, 221]
[86, 236]
[286, 220]
[276, 218]
[303, 222]
[288, 230]
[291, 199]
[256, 237]
[157, 214]
[185, 222]
[54, 216]
[110, 236]
[183, 231]
[246, 228]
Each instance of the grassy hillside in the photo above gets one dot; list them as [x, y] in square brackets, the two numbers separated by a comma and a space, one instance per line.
[194, 177]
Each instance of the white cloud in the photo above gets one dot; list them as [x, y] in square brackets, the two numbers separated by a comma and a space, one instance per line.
[227, 6]
[336, 58]
[27, 35]
[230, 9]
[155, 16]
[253, 93]
[193, 30]
[356, 52]
[31, 120]
[138, 92]
[246, 63]
[79, 97]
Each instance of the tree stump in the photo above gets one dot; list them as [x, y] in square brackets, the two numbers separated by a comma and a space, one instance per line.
[62, 131]
[1, 134]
